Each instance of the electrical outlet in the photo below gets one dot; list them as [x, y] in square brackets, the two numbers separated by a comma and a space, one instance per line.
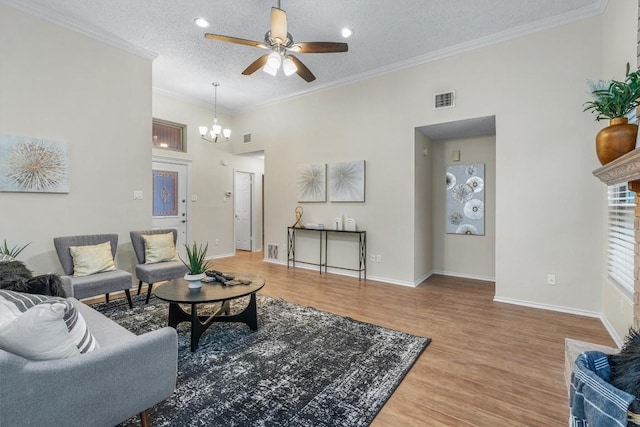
[137, 195]
[372, 258]
[217, 242]
[551, 279]
[378, 258]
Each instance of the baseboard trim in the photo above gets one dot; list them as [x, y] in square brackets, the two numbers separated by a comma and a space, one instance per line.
[343, 273]
[464, 275]
[605, 322]
[221, 256]
[612, 332]
[423, 278]
[550, 307]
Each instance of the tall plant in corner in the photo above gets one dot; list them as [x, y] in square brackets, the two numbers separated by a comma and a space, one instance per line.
[614, 100]
[196, 263]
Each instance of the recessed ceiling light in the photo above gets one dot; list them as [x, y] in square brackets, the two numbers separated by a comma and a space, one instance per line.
[201, 22]
[346, 32]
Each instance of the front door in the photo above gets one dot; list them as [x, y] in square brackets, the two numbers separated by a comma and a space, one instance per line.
[170, 207]
[243, 206]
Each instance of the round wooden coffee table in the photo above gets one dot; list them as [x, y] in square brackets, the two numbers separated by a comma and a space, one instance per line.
[177, 292]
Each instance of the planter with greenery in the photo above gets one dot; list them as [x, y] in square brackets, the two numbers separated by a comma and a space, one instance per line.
[10, 254]
[196, 263]
[614, 100]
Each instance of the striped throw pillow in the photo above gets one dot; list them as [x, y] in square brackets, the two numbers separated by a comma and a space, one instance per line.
[13, 304]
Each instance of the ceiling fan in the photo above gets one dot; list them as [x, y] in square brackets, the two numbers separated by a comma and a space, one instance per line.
[281, 45]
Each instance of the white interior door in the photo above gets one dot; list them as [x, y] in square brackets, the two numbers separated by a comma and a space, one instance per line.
[170, 207]
[242, 210]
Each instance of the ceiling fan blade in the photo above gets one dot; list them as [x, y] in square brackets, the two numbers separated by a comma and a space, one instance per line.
[256, 65]
[302, 70]
[279, 25]
[236, 40]
[319, 47]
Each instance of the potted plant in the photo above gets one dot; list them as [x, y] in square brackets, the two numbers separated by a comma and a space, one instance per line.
[10, 254]
[613, 100]
[196, 263]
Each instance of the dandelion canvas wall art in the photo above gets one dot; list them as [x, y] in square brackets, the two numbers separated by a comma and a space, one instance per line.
[346, 181]
[33, 165]
[311, 182]
[465, 199]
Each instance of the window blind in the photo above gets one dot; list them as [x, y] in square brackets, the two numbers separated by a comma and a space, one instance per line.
[620, 235]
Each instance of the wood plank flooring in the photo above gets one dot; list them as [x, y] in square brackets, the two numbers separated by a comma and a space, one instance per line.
[489, 364]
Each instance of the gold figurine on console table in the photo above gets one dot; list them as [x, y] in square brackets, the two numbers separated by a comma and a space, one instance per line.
[298, 223]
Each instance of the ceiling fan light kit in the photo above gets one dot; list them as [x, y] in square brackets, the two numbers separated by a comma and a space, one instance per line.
[201, 22]
[216, 130]
[281, 45]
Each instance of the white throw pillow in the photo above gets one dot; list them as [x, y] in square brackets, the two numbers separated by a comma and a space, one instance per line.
[91, 259]
[39, 333]
[13, 304]
[159, 248]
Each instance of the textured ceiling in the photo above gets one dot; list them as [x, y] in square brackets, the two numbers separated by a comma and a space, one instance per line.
[388, 34]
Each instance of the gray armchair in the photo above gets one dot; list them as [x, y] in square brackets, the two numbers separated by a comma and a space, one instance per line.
[94, 284]
[160, 271]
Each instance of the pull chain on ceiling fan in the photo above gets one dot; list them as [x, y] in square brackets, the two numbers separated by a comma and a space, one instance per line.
[281, 44]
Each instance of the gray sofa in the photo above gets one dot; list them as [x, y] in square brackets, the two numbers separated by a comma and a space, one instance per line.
[123, 377]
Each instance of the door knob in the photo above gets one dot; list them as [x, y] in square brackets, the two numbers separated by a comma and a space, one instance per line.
[183, 221]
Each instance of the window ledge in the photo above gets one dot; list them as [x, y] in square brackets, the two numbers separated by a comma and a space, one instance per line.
[624, 168]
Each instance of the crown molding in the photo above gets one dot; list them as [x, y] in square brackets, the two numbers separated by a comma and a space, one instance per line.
[513, 33]
[81, 28]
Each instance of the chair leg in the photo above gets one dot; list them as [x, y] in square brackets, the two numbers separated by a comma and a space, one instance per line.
[149, 293]
[144, 419]
[139, 286]
[106, 297]
[128, 294]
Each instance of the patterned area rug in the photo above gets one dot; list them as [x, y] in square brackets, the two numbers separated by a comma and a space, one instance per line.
[302, 367]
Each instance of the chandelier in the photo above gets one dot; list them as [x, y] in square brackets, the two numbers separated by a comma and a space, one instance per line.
[216, 130]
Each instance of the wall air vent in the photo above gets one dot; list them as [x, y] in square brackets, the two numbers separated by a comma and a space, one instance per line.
[247, 138]
[444, 100]
[272, 251]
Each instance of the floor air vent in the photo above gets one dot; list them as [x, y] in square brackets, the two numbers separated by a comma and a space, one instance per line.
[272, 251]
[444, 100]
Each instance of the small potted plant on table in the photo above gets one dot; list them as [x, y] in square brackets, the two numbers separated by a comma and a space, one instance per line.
[613, 100]
[196, 263]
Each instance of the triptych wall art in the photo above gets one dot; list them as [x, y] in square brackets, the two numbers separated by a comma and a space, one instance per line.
[33, 165]
[465, 199]
[346, 182]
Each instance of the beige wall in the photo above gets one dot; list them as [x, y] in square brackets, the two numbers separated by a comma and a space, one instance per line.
[535, 86]
[620, 26]
[212, 214]
[423, 217]
[59, 85]
[454, 254]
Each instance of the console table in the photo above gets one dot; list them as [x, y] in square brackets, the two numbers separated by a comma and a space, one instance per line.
[323, 237]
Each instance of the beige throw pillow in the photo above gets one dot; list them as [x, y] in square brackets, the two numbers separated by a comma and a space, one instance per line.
[91, 259]
[159, 248]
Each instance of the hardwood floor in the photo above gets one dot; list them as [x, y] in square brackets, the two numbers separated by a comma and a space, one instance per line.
[489, 364]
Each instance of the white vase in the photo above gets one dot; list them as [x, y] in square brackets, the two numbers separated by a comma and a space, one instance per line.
[194, 280]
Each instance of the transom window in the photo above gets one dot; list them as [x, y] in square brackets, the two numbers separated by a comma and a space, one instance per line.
[169, 135]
